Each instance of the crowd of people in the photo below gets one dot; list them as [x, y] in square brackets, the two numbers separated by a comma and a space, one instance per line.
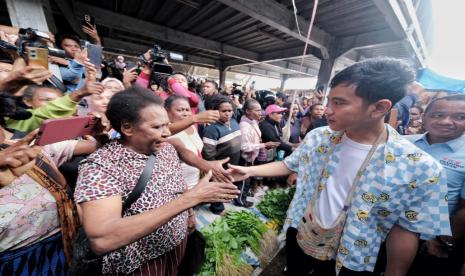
[371, 198]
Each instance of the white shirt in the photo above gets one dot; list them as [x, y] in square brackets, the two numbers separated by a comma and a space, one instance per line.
[193, 143]
[339, 183]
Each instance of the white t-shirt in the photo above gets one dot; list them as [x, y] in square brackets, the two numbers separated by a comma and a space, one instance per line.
[339, 183]
[194, 144]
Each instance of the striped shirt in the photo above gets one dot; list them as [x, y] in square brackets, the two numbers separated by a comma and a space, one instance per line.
[221, 141]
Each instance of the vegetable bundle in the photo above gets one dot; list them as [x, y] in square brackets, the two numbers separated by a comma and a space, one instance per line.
[274, 206]
[226, 238]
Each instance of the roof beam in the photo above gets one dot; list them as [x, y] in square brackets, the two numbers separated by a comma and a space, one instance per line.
[395, 17]
[279, 55]
[279, 17]
[137, 49]
[130, 24]
[377, 38]
[411, 11]
[285, 67]
[256, 71]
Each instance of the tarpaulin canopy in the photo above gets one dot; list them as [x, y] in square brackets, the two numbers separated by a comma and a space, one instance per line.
[434, 81]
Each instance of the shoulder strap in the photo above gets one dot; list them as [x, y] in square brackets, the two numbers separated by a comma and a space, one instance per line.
[141, 183]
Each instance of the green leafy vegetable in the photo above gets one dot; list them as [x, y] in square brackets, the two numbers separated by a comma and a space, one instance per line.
[226, 238]
[275, 203]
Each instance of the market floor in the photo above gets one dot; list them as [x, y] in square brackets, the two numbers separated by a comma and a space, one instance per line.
[276, 266]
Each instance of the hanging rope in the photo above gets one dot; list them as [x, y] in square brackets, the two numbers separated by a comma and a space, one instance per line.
[315, 4]
[295, 16]
[287, 127]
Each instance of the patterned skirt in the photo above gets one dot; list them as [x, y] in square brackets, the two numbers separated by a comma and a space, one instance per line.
[45, 257]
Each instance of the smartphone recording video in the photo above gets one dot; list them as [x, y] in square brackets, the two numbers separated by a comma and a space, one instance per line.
[88, 21]
[37, 56]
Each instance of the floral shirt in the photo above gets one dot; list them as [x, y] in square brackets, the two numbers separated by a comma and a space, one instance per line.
[114, 170]
[401, 185]
[28, 211]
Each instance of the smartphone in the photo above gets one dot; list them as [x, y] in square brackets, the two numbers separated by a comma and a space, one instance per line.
[37, 56]
[88, 20]
[94, 53]
[57, 130]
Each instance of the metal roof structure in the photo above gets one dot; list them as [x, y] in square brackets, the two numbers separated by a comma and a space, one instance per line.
[260, 36]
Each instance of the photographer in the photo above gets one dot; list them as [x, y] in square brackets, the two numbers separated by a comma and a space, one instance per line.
[164, 84]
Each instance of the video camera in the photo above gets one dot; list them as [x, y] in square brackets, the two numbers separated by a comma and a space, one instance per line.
[29, 37]
[160, 70]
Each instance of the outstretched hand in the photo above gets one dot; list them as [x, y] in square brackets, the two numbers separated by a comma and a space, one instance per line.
[207, 117]
[218, 171]
[129, 76]
[206, 191]
[238, 173]
[23, 75]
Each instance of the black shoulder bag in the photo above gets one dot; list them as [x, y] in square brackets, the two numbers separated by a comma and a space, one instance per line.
[85, 261]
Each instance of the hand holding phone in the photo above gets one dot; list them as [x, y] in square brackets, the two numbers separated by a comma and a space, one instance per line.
[129, 76]
[37, 56]
[57, 130]
[88, 21]
[94, 53]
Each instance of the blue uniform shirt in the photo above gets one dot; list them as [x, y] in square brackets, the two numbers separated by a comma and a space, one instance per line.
[401, 185]
[451, 155]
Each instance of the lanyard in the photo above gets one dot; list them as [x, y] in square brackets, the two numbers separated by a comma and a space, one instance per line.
[359, 174]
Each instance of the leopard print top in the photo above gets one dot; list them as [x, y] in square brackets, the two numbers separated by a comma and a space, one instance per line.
[114, 170]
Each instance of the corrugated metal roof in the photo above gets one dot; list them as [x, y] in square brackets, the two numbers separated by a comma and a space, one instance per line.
[215, 21]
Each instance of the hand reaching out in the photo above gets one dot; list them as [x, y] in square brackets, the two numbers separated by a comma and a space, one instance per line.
[25, 75]
[238, 173]
[319, 95]
[206, 191]
[90, 87]
[209, 116]
[129, 76]
[271, 145]
[219, 173]
[92, 32]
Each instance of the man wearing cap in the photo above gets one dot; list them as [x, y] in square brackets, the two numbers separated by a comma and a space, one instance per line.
[271, 132]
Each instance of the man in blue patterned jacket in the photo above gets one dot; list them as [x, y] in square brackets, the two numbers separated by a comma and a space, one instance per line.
[359, 182]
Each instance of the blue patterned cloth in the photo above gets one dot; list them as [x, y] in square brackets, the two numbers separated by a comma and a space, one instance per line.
[401, 185]
[451, 155]
[45, 257]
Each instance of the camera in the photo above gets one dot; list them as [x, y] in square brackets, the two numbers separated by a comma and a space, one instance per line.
[160, 70]
[29, 37]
